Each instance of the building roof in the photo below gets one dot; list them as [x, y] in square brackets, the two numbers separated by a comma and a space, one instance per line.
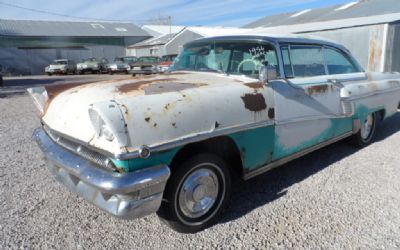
[157, 30]
[329, 25]
[351, 10]
[214, 31]
[69, 28]
[160, 40]
[209, 32]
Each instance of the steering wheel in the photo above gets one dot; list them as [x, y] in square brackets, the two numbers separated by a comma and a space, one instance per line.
[247, 61]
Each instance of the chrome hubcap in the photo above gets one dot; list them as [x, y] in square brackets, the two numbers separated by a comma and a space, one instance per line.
[198, 193]
[367, 127]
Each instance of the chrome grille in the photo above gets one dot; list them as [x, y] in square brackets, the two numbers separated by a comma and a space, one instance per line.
[80, 150]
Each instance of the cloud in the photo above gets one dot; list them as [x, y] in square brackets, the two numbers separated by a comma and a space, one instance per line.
[183, 12]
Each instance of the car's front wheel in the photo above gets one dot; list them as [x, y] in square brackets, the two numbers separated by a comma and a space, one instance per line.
[196, 193]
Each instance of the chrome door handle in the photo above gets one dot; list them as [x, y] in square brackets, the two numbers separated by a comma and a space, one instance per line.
[336, 83]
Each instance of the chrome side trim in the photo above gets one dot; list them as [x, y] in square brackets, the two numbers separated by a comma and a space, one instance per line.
[131, 195]
[310, 118]
[371, 94]
[173, 144]
[196, 138]
[287, 159]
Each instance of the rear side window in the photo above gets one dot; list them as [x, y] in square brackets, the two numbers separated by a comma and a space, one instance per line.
[338, 63]
[307, 61]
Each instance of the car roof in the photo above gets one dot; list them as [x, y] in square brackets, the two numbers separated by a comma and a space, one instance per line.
[274, 38]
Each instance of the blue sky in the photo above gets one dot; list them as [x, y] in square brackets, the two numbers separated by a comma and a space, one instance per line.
[183, 12]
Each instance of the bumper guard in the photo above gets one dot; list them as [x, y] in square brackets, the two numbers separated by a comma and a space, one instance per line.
[127, 196]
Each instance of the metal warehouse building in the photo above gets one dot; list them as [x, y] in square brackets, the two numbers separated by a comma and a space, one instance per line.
[369, 28]
[26, 47]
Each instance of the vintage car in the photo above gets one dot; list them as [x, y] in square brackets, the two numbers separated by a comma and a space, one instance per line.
[165, 63]
[231, 106]
[61, 66]
[145, 65]
[121, 64]
[92, 65]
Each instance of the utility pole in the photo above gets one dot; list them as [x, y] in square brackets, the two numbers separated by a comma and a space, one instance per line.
[170, 25]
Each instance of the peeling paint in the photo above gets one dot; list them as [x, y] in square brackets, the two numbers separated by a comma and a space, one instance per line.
[255, 85]
[136, 85]
[271, 113]
[318, 89]
[254, 102]
[159, 88]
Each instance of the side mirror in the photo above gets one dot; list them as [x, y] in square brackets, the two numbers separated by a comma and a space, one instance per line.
[268, 73]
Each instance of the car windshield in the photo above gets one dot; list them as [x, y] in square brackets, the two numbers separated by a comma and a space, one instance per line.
[168, 58]
[148, 59]
[130, 59]
[90, 60]
[119, 60]
[57, 62]
[230, 57]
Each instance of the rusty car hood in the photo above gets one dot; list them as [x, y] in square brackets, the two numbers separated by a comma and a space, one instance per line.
[156, 109]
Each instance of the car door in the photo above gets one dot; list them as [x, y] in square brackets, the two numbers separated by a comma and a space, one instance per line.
[308, 107]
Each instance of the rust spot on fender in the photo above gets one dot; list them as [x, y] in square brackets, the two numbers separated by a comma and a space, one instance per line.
[271, 113]
[147, 119]
[176, 73]
[255, 85]
[158, 88]
[254, 102]
[317, 89]
[134, 86]
[56, 89]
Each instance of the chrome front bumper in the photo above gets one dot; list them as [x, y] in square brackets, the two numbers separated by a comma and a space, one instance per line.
[128, 196]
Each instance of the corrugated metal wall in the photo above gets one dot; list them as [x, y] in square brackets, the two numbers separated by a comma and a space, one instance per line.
[30, 55]
[146, 51]
[176, 45]
[356, 39]
[33, 61]
[392, 63]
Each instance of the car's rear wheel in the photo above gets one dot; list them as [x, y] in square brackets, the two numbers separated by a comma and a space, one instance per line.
[365, 134]
[196, 193]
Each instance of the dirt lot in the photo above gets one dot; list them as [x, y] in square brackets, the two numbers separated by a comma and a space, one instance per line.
[336, 198]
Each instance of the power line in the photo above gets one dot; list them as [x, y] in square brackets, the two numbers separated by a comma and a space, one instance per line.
[69, 16]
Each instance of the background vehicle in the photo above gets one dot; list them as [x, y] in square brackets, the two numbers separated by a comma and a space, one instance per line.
[92, 65]
[166, 62]
[61, 66]
[121, 64]
[145, 65]
[1, 75]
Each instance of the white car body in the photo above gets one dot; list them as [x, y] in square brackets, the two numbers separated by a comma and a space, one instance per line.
[141, 124]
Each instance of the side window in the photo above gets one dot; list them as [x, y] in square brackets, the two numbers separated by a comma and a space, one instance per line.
[287, 65]
[307, 61]
[338, 63]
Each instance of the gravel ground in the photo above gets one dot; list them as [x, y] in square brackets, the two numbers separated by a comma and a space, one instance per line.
[336, 198]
